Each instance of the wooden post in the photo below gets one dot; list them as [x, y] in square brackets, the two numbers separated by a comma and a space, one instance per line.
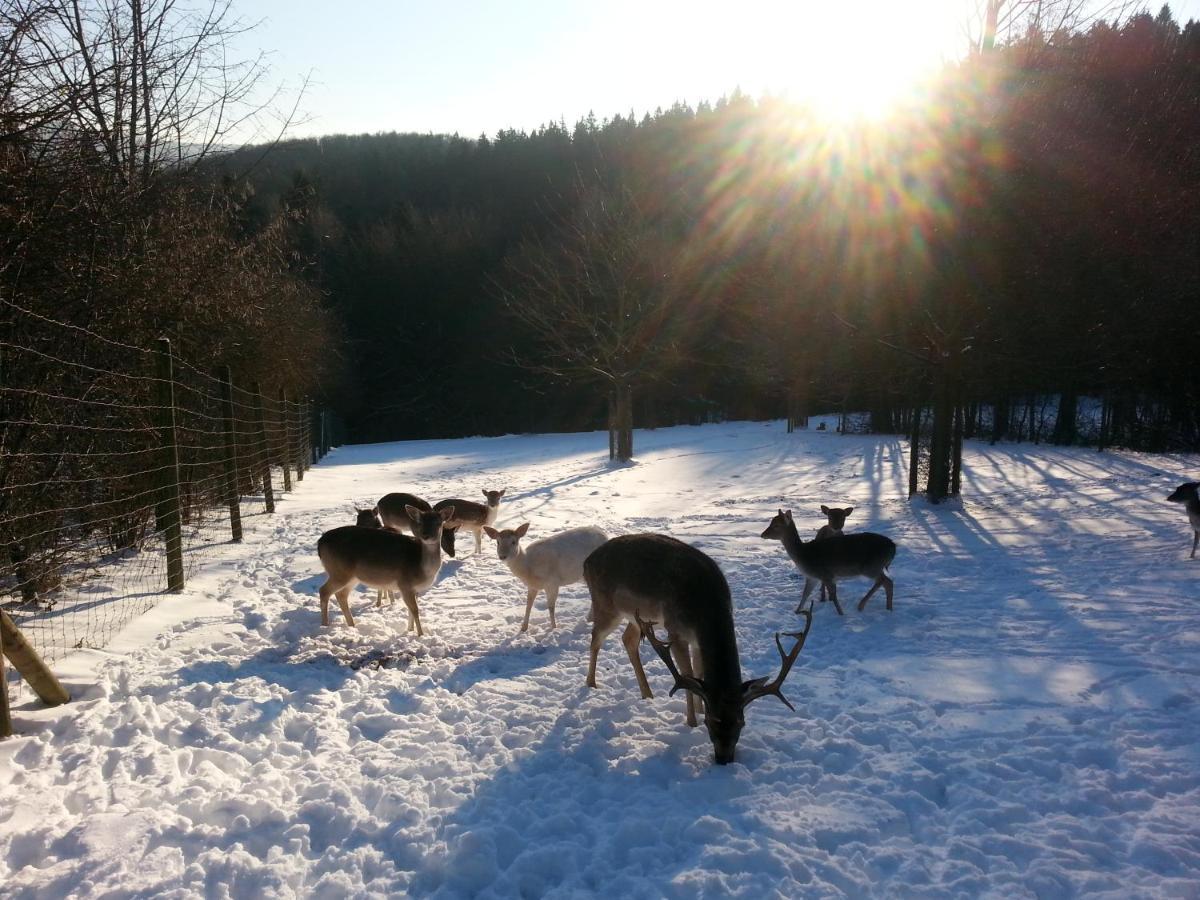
[26, 661]
[5, 714]
[285, 439]
[231, 479]
[170, 517]
[298, 432]
[264, 447]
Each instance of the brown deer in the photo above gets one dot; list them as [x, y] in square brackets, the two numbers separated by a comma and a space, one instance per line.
[392, 510]
[1189, 495]
[471, 516]
[382, 559]
[644, 579]
[831, 558]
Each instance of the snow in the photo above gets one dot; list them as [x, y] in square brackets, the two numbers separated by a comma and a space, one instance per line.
[1023, 724]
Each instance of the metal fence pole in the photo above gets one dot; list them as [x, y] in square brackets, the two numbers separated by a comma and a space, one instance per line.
[5, 714]
[264, 447]
[231, 477]
[170, 516]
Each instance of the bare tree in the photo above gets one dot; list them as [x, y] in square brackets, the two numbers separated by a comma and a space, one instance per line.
[154, 83]
[596, 295]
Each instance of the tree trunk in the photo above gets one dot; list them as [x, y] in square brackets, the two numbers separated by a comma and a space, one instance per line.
[956, 452]
[612, 426]
[624, 422]
[1065, 429]
[914, 450]
[940, 450]
[1000, 416]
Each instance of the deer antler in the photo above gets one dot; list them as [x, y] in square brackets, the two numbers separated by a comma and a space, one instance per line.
[759, 687]
[663, 649]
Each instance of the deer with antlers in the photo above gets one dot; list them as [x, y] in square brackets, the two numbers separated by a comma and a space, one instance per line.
[665, 580]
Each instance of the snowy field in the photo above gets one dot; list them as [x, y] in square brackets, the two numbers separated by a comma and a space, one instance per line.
[1024, 724]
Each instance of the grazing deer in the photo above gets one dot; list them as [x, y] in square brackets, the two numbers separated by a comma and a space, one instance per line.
[841, 556]
[392, 510]
[667, 581]
[547, 564]
[1189, 495]
[382, 559]
[473, 517]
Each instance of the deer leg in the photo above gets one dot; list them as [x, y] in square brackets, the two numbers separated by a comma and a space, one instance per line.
[326, 590]
[478, 541]
[808, 586]
[631, 639]
[683, 661]
[410, 600]
[1195, 541]
[832, 585]
[867, 596]
[529, 598]
[551, 599]
[343, 599]
[602, 623]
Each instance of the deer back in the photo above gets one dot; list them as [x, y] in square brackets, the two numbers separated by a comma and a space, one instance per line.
[845, 555]
[392, 512]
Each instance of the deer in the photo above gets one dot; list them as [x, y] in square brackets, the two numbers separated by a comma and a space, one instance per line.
[547, 564]
[382, 559]
[369, 518]
[1189, 495]
[392, 512]
[472, 516]
[841, 556]
[836, 517]
[645, 579]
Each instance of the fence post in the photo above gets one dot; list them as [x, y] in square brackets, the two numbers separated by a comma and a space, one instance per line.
[231, 485]
[170, 516]
[264, 446]
[26, 661]
[285, 451]
[5, 714]
[298, 437]
[314, 434]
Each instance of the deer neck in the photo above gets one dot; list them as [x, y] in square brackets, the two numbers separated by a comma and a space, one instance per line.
[717, 644]
[518, 564]
[792, 543]
[431, 556]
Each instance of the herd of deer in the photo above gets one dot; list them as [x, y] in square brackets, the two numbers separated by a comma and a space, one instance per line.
[639, 579]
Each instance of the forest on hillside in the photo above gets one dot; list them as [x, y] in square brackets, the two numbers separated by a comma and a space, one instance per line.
[1029, 228]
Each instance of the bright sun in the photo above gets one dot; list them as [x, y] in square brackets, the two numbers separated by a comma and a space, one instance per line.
[848, 63]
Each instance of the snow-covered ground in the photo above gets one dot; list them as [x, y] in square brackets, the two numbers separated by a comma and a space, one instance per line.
[1025, 723]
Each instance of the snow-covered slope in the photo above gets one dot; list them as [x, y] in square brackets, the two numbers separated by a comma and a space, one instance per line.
[1024, 724]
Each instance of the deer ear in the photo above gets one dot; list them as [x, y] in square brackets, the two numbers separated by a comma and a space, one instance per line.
[788, 515]
[848, 510]
[491, 532]
[502, 490]
[485, 492]
[446, 513]
[413, 512]
[824, 509]
[522, 530]
[781, 511]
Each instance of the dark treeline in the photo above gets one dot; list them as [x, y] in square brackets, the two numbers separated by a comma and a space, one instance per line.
[1029, 228]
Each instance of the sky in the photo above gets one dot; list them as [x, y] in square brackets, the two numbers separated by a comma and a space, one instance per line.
[478, 67]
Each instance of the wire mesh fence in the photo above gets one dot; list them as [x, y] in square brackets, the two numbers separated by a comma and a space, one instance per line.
[121, 469]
